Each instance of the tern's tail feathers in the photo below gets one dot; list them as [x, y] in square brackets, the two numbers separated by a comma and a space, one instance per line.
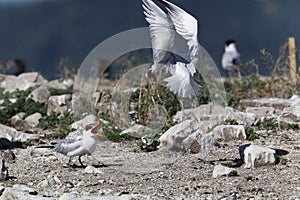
[183, 87]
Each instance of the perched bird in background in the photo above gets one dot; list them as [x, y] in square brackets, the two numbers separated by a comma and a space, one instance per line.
[231, 57]
[19, 66]
[78, 143]
[162, 31]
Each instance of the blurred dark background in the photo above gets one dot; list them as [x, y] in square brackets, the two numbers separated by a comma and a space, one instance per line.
[43, 32]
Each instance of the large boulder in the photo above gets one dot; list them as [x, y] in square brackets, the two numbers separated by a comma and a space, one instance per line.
[21, 192]
[187, 137]
[137, 130]
[40, 94]
[89, 119]
[214, 114]
[202, 113]
[33, 120]
[290, 115]
[13, 135]
[246, 119]
[256, 156]
[229, 132]
[22, 82]
[261, 111]
[18, 119]
[276, 103]
[61, 84]
[59, 104]
[173, 138]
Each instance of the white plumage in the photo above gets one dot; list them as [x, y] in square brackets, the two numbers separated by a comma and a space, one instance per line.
[231, 56]
[78, 143]
[162, 31]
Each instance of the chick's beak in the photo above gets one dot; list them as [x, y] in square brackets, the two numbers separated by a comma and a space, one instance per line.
[95, 128]
[98, 134]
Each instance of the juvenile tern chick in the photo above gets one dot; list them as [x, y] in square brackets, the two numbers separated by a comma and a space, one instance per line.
[78, 143]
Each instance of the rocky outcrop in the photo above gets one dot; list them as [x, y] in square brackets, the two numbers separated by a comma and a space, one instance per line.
[13, 135]
[80, 124]
[187, 137]
[227, 133]
[33, 120]
[137, 130]
[40, 94]
[22, 82]
[59, 104]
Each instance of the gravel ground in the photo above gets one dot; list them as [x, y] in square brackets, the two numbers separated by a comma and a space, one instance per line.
[122, 169]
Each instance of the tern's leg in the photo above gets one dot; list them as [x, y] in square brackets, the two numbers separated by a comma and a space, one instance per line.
[79, 159]
[69, 163]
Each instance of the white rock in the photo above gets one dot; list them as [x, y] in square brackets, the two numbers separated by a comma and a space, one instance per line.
[92, 170]
[23, 188]
[220, 170]
[17, 120]
[85, 121]
[246, 119]
[68, 196]
[191, 143]
[59, 104]
[295, 108]
[229, 132]
[10, 193]
[294, 97]
[49, 182]
[56, 84]
[261, 111]
[202, 113]
[268, 102]
[40, 94]
[22, 82]
[255, 156]
[104, 198]
[186, 136]
[173, 138]
[13, 135]
[68, 83]
[37, 152]
[33, 120]
[212, 114]
[137, 130]
[43, 184]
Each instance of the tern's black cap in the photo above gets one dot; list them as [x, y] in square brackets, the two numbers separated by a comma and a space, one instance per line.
[230, 41]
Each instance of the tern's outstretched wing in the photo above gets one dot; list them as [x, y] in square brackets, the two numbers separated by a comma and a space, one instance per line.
[162, 32]
[186, 26]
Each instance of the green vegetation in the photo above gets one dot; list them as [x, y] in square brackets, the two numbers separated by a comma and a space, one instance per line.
[251, 134]
[282, 160]
[57, 92]
[151, 95]
[22, 104]
[112, 131]
[268, 125]
[150, 141]
[203, 97]
[61, 124]
[24, 144]
[228, 164]
[292, 127]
